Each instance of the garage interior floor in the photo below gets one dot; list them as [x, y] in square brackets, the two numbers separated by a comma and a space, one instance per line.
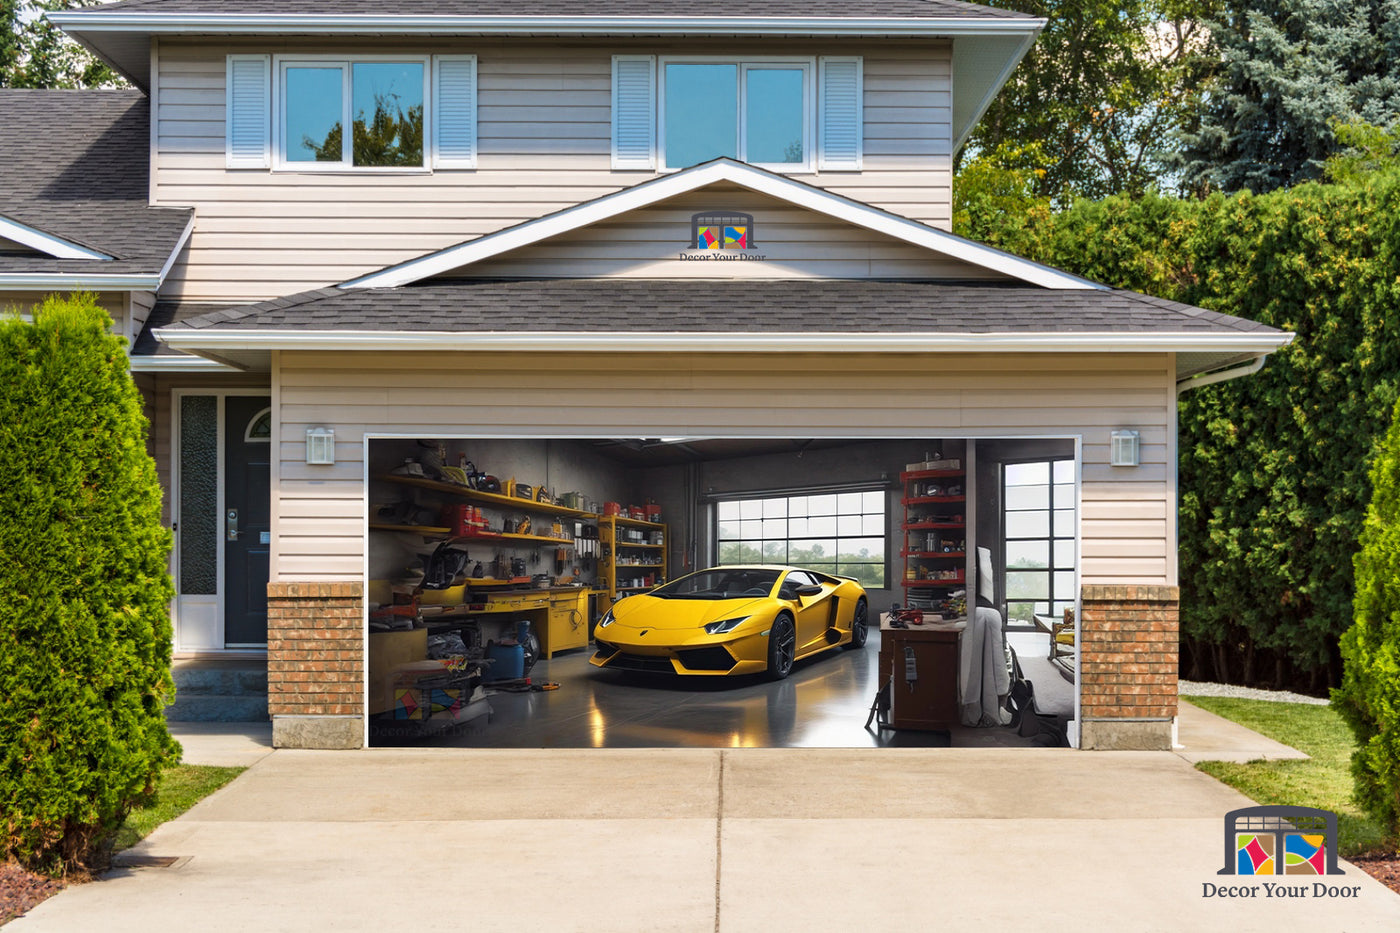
[822, 704]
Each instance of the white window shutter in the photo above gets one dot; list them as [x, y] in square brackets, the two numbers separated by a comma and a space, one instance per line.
[454, 111]
[634, 112]
[840, 118]
[248, 106]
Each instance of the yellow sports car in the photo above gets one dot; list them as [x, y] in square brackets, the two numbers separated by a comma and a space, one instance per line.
[733, 620]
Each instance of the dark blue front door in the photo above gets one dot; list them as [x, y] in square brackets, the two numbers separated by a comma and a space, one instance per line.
[247, 526]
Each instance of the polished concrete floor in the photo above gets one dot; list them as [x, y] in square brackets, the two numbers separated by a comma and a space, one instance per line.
[822, 704]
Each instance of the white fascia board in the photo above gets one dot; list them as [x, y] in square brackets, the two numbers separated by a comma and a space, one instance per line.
[47, 243]
[213, 341]
[95, 21]
[178, 364]
[77, 280]
[175, 253]
[96, 281]
[721, 170]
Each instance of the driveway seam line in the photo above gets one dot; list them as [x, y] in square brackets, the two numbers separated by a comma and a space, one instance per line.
[719, 831]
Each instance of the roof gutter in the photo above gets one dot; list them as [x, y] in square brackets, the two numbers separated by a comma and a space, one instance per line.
[79, 280]
[95, 20]
[177, 364]
[1222, 375]
[196, 340]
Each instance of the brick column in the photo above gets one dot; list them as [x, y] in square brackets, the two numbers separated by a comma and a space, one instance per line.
[316, 664]
[1128, 666]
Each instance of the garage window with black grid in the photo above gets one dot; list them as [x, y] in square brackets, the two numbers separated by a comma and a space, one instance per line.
[831, 532]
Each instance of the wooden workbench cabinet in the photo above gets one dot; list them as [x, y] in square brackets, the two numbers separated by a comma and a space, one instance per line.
[930, 701]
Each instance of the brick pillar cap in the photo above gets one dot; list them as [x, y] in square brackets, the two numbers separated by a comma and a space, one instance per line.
[1137, 592]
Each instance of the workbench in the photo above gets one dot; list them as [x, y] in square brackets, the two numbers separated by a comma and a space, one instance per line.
[558, 614]
[928, 701]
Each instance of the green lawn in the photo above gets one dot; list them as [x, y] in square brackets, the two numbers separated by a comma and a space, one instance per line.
[180, 788]
[1324, 781]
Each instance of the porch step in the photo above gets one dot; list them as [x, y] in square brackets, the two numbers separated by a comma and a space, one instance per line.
[219, 691]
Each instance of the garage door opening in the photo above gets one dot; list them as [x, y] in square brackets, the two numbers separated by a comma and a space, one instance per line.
[538, 592]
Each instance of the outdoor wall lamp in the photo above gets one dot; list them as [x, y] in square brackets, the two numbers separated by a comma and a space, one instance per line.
[1123, 450]
[320, 446]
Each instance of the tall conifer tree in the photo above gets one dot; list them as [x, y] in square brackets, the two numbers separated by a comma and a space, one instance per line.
[1291, 72]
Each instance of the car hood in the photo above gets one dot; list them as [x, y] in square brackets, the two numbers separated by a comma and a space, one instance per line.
[644, 611]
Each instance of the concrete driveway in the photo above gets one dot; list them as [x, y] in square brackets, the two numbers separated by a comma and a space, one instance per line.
[702, 840]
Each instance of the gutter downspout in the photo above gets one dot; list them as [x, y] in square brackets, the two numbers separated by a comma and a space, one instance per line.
[1223, 375]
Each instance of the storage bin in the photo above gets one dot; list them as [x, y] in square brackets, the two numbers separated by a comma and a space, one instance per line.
[509, 662]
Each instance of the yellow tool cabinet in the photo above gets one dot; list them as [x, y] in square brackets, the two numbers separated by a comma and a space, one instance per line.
[566, 625]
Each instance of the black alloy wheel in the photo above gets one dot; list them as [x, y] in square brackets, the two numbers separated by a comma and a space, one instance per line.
[860, 626]
[782, 647]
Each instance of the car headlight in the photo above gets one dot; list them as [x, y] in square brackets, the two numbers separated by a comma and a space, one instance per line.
[606, 620]
[725, 625]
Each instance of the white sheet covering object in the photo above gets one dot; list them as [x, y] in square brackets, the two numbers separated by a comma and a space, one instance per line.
[983, 681]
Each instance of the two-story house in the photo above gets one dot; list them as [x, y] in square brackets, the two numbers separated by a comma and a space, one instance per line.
[646, 251]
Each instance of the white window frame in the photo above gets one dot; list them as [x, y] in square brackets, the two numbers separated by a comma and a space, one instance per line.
[281, 63]
[808, 64]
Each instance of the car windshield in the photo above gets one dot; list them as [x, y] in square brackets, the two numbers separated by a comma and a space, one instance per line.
[720, 583]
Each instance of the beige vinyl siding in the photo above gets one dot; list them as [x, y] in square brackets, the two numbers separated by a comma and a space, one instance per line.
[1127, 516]
[544, 135]
[794, 242]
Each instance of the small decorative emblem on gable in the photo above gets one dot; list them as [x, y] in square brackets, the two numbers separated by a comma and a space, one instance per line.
[722, 235]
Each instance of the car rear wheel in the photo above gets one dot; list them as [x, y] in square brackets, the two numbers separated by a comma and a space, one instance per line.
[860, 626]
[782, 647]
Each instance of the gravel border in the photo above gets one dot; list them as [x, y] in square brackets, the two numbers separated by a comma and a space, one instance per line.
[1196, 688]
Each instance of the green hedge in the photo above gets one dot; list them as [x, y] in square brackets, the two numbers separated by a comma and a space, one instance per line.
[1369, 698]
[84, 589]
[1273, 467]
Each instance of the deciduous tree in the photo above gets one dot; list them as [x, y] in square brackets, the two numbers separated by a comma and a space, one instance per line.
[36, 54]
[1100, 91]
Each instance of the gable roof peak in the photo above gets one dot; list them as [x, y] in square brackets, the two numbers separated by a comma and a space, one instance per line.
[705, 174]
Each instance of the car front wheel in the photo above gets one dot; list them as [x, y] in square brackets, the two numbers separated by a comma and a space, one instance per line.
[782, 647]
[860, 626]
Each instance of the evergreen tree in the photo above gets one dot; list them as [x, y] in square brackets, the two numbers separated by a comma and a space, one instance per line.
[84, 590]
[1369, 698]
[1291, 71]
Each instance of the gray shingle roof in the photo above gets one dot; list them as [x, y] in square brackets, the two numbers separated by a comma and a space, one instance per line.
[721, 306]
[165, 313]
[75, 165]
[894, 9]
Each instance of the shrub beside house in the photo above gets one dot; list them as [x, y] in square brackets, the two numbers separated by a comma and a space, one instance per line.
[84, 589]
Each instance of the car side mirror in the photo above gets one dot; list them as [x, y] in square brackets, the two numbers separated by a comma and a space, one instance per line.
[811, 589]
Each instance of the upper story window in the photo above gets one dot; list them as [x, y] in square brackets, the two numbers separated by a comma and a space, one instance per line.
[757, 112]
[403, 113]
[785, 114]
[381, 101]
